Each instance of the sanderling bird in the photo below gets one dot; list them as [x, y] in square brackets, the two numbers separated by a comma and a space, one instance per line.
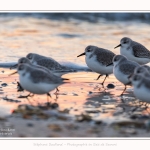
[123, 68]
[49, 63]
[142, 70]
[97, 60]
[141, 87]
[134, 51]
[25, 60]
[38, 81]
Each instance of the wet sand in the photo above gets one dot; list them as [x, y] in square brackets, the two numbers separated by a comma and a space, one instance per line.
[83, 110]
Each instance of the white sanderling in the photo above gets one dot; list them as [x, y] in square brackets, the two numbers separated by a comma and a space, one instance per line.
[25, 60]
[97, 60]
[49, 63]
[141, 87]
[123, 68]
[37, 81]
[134, 51]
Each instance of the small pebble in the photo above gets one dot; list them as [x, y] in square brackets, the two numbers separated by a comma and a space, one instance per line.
[90, 92]
[4, 84]
[54, 105]
[110, 86]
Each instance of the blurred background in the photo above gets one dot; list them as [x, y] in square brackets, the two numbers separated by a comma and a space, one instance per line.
[65, 35]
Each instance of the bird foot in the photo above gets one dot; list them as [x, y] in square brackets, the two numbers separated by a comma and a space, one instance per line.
[29, 95]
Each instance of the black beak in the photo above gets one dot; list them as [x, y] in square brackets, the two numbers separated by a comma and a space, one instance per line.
[81, 54]
[109, 64]
[13, 73]
[14, 66]
[117, 46]
[130, 76]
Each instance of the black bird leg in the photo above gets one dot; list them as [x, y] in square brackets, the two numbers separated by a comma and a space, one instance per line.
[19, 87]
[123, 91]
[29, 95]
[57, 90]
[99, 76]
[48, 95]
[104, 80]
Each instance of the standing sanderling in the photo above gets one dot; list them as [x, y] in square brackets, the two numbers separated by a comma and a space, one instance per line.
[25, 60]
[141, 87]
[97, 60]
[123, 68]
[48, 63]
[134, 51]
[38, 81]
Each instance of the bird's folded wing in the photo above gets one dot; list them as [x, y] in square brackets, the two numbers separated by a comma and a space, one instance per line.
[141, 51]
[38, 76]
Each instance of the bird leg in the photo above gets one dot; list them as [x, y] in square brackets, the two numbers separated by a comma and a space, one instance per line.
[57, 90]
[99, 76]
[104, 80]
[123, 91]
[19, 87]
[29, 95]
[48, 95]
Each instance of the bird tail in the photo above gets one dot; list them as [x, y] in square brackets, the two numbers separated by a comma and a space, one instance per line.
[65, 79]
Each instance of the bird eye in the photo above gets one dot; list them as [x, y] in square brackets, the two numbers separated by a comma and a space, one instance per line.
[29, 56]
[124, 42]
[115, 59]
[88, 50]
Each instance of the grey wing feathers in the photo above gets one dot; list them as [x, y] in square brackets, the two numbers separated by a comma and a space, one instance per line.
[50, 64]
[128, 68]
[140, 51]
[42, 68]
[105, 56]
[53, 65]
[38, 76]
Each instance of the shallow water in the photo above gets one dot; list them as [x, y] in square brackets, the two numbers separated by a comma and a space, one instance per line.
[63, 40]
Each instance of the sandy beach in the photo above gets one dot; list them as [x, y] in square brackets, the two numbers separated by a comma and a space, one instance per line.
[82, 111]
[82, 108]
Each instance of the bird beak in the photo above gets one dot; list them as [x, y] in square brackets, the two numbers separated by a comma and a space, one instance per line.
[109, 64]
[117, 46]
[81, 54]
[13, 73]
[130, 76]
[14, 66]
